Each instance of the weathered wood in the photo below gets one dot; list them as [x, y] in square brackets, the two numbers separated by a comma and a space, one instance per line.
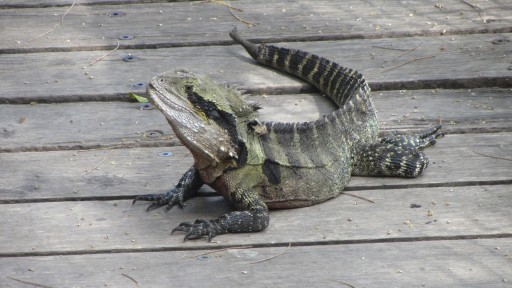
[126, 172]
[104, 124]
[458, 61]
[199, 23]
[102, 226]
[464, 263]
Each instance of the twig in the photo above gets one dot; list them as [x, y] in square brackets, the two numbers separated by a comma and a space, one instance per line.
[220, 250]
[407, 62]
[490, 156]
[270, 258]
[101, 162]
[29, 283]
[389, 48]
[99, 59]
[345, 283]
[472, 5]
[362, 198]
[408, 51]
[129, 277]
[238, 18]
[225, 4]
[56, 25]
[480, 10]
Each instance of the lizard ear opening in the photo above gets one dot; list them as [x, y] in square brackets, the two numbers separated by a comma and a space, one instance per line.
[257, 127]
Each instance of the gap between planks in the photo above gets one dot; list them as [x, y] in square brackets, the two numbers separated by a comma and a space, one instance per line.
[208, 192]
[202, 247]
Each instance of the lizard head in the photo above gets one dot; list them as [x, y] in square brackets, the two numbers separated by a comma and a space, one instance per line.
[205, 116]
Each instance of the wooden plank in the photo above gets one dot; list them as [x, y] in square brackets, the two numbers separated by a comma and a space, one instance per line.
[107, 124]
[102, 226]
[458, 61]
[199, 23]
[454, 161]
[464, 263]
[6, 4]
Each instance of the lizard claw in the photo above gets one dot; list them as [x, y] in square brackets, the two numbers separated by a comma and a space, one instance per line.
[170, 199]
[196, 230]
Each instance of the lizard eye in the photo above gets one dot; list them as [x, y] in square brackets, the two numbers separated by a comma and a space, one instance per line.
[189, 88]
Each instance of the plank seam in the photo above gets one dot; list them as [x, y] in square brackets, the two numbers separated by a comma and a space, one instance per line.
[461, 83]
[289, 39]
[112, 2]
[212, 194]
[261, 245]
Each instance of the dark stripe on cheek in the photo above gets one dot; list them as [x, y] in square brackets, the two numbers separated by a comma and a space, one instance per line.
[222, 118]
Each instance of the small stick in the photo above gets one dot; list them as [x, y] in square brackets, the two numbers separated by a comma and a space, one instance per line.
[408, 51]
[104, 159]
[480, 10]
[389, 48]
[225, 4]
[490, 156]
[407, 62]
[238, 18]
[220, 250]
[56, 25]
[129, 277]
[270, 258]
[362, 198]
[29, 283]
[472, 5]
[346, 284]
[99, 59]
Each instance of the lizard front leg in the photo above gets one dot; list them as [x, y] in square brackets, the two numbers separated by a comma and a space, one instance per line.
[187, 187]
[252, 217]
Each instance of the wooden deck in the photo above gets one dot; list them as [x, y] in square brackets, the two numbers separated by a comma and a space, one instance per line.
[74, 150]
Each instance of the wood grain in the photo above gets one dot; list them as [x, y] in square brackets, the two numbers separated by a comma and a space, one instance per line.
[416, 264]
[93, 27]
[460, 61]
[117, 124]
[123, 173]
[117, 226]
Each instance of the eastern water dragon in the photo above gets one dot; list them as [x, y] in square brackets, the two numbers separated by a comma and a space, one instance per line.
[258, 165]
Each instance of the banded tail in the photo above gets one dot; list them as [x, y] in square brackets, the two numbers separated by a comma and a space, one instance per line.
[335, 81]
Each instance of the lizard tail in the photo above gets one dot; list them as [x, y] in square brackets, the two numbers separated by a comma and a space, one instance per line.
[251, 48]
[335, 81]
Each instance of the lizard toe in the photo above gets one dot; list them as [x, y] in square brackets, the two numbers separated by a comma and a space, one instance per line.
[199, 229]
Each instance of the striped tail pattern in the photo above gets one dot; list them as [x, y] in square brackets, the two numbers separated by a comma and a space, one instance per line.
[335, 81]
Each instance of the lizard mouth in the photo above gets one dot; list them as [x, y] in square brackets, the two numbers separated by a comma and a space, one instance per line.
[165, 103]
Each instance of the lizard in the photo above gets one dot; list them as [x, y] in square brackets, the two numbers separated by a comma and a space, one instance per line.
[258, 165]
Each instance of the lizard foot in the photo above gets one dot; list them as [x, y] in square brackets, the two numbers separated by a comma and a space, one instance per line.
[197, 230]
[233, 222]
[170, 199]
[418, 141]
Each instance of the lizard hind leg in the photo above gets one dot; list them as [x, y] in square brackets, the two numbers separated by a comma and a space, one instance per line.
[384, 159]
[397, 155]
[419, 141]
